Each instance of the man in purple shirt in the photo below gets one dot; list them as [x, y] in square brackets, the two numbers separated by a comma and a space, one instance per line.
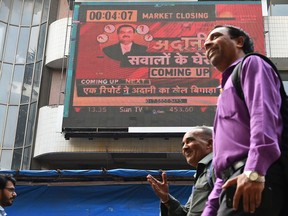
[250, 179]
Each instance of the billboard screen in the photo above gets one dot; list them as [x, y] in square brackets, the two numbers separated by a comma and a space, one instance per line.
[143, 64]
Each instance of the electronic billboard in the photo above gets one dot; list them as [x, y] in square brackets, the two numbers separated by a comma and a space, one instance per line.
[161, 80]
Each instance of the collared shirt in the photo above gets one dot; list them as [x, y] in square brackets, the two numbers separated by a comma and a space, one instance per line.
[2, 211]
[125, 48]
[199, 196]
[249, 129]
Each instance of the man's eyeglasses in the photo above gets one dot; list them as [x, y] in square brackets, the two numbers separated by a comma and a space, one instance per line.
[12, 190]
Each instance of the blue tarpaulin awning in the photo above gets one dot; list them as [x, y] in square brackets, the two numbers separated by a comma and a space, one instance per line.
[119, 198]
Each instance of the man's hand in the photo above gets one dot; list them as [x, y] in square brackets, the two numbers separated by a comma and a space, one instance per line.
[161, 189]
[250, 191]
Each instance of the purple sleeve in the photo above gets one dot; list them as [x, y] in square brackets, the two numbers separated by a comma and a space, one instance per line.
[260, 86]
[212, 204]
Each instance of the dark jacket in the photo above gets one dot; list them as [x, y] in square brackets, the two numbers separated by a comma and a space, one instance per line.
[114, 51]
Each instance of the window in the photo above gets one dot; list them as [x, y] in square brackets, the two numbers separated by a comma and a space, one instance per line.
[10, 129]
[2, 37]
[27, 12]
[31, 123]
[278, 9]
[27, 84]
[23, 25]
[284, 77]
[37, 12]
[5, 10]
[45, 11]
[286, 86]
[26, 158]
[16, 161]
[16, 12]
[41, 42]
[22, 45]
[2, 122]
[5, 82]
[11, 43]
[33, 44]
[36, 81]
[16, 87]
[19, 139]
[6, 159]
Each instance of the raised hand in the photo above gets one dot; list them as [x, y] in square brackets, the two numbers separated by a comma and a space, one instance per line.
[161, 189]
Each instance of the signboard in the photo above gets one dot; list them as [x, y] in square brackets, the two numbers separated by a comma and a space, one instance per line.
[159, 76]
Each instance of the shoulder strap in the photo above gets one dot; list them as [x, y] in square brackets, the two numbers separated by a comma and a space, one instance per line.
[210, 175]
[236, 80]
[236, 74]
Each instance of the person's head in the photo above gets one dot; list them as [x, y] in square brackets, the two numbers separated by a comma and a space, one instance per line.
[125, 34]
[7, 190]
[196, 144]
[225, 44]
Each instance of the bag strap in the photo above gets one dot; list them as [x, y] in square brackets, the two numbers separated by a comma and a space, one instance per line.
[210, 176]
[236, 80]
[236, 74]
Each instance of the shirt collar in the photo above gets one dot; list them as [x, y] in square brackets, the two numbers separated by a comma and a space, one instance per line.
[2, 211]
[125, 47]
[202, 164]
[206, 159]
[226, 74]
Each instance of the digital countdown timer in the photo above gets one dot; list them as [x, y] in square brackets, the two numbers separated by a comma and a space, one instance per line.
[111, 16]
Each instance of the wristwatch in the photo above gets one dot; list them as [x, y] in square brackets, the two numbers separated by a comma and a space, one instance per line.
[254, 176]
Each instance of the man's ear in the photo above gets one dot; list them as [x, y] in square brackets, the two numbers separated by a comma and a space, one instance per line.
[210, 145]
[240, 41]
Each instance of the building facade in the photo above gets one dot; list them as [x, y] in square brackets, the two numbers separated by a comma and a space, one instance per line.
[34, 48]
